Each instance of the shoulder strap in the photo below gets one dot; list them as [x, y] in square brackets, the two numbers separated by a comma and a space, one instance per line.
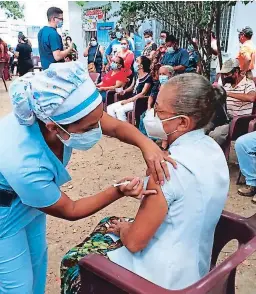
[96, 53]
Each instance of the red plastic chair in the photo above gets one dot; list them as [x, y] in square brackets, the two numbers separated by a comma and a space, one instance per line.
[140, 106]
[2, 64]
[238, 127]
[101, 276]
[94, 76]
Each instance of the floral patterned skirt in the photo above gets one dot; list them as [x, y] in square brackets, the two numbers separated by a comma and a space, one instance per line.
[98, 243]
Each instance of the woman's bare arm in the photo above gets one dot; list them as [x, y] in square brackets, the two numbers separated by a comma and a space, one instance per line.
[152, 212]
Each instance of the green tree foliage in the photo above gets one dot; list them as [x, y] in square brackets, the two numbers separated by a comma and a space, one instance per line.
[188, 19]
[12, 9]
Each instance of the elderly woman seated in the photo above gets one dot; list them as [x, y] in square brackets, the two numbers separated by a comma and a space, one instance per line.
[170, 240]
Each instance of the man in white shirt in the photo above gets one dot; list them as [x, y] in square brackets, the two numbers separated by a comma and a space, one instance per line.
[240, 97]
[214, 60]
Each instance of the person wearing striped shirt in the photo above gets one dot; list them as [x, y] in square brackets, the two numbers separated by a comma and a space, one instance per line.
[240, 97]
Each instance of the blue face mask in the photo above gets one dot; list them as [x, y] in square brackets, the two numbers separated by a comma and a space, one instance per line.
[191, 48]
[60, 24]
[163, 79]
[82, 141]
[170, 50]
[148, 40]
[135, 66]
[161, 41]
[124, 47]
[113, 65]
[119, 35]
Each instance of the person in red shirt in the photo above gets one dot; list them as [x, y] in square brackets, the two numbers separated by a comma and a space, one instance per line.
[4, 57]
[115, 78]
[127, 55]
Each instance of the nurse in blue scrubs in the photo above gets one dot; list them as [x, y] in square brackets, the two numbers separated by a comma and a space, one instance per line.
[53, 112]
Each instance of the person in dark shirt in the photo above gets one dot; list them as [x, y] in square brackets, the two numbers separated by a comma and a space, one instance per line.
[193, 59]
[50, 42]
[175, 56]
[23, 53]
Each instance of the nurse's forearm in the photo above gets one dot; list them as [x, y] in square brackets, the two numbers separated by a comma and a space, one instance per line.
[123, 131]
[70, 210]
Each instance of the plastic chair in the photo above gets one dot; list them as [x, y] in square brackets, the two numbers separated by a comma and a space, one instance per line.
[36, 60]
[112, 96]
[2, 64]
[94, 76]
[238, 127]
[251, 128]
[140, 106]
[99, 275]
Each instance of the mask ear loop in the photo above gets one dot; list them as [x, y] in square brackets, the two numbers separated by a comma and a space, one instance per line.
[59, 126]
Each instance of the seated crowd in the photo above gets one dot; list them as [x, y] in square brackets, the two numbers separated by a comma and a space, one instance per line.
[143, 78]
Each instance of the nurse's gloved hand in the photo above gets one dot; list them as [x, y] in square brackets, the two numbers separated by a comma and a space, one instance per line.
[134, 188]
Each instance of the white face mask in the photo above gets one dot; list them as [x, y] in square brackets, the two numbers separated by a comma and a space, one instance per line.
[154, 125]
[82, 141]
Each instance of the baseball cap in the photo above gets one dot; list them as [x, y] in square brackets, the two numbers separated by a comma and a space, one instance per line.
[247, 31]
[228, 65]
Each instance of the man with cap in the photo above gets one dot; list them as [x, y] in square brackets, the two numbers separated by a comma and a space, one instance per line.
[246, 55]
[240, 97]
[54, 111]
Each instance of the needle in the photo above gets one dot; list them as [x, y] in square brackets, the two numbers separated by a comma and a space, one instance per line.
[123, 183]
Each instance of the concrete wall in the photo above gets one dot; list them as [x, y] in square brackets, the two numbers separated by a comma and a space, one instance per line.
[75, 29]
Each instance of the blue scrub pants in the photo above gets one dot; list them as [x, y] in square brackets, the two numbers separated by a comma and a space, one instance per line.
[246, 153]
[23, 260]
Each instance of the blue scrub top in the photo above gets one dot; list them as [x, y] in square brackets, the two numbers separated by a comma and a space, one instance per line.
[179, 57]
[48, 41]
[31, 169]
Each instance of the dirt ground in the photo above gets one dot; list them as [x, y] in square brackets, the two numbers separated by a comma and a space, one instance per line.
[98, 168]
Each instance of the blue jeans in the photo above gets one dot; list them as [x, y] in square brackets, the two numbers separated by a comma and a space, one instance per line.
[246, 153]
[23, 259]
[212, 75]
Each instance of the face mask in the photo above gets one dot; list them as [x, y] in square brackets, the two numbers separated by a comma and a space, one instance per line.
[60, 24]
[93, 43]
[113, 65]
[190, 48]
[154, 125]
[161, 41]
[148, 40]
[119, 35]
[135, 66]
[124, 47]
[82, 141]
[163, 79]
[170, 50]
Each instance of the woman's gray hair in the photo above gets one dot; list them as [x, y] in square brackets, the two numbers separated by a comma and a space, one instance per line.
[169, 68]
[195, 96]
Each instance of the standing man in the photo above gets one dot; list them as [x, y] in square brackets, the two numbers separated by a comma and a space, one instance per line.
[115, 46]
[214, 61]
[246, 55]
[175, 56]
[50, 42]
